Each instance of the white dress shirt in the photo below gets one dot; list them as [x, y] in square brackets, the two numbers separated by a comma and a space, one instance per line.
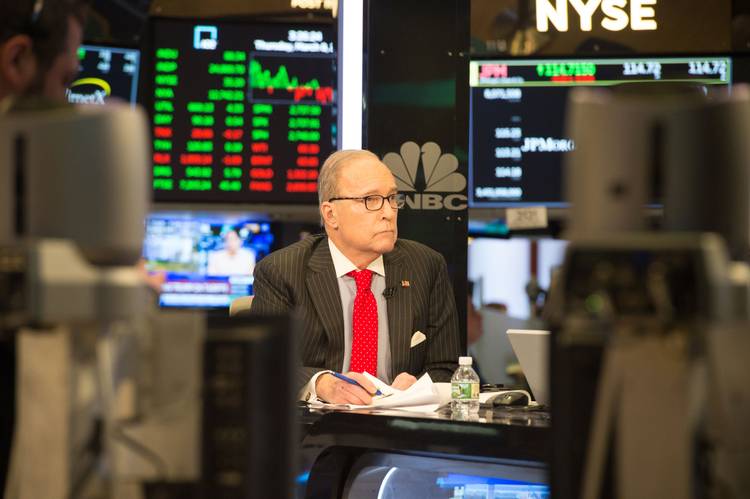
[347, 291]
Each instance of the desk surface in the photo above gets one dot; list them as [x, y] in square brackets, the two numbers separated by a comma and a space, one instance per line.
[507, 433]
[334, 440]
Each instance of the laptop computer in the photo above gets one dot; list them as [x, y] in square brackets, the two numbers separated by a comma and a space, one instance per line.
[531, 347]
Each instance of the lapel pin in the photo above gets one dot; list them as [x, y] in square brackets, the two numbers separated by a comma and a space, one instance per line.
[405, 284]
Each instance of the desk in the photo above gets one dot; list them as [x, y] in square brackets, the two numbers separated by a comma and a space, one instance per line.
[339, 447]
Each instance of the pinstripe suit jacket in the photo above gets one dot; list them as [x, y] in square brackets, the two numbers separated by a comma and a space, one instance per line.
[301, 278]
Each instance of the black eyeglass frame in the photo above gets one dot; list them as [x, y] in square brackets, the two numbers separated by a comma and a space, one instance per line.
[395, 200]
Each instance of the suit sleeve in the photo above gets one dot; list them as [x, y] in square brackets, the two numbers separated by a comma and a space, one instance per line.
[444, 346]
[273, 297]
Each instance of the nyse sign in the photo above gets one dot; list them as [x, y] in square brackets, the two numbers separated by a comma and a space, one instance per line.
[638, 15]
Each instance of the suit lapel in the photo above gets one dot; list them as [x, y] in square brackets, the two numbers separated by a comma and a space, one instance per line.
[399, 309]
[323, 290]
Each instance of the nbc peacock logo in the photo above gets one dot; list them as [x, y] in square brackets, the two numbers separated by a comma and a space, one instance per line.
[421, 187]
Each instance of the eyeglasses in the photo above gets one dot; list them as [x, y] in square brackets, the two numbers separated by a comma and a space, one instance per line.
[374, 202]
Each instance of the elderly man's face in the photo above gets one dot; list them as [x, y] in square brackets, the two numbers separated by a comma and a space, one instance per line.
[361, 233]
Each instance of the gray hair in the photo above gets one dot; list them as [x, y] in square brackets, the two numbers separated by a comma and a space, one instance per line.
[328, 178]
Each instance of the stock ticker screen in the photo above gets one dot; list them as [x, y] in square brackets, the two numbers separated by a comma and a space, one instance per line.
[517, 139]
[241, 112]
[104, 73]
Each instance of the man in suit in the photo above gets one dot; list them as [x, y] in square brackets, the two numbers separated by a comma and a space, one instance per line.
[368, 301]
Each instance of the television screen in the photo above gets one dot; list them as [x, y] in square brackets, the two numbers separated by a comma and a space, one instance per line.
[104, 73]
[459, 486]
[241, 112]
[517, 138]
[207, 261]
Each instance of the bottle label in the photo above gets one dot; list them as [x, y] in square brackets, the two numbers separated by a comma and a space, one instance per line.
[464, 391]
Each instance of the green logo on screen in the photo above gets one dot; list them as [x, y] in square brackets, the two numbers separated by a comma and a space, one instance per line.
[440, 176]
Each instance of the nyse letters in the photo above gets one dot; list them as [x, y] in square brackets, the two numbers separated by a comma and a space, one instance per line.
[640, 15]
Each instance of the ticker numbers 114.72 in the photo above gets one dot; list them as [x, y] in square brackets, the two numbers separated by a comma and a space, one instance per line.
[708, 68]
[646, 68]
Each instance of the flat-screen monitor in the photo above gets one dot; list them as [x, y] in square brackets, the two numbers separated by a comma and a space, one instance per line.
[242, 112]
[206, 260]
[104, 73]
[518, 107]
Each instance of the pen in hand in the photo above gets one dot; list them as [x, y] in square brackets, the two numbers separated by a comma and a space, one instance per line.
[354, 382]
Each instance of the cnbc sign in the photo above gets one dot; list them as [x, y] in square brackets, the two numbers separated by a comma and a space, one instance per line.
[616, 15]
[443, 186]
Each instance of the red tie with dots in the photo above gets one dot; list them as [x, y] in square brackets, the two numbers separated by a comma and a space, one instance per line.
[364, 325]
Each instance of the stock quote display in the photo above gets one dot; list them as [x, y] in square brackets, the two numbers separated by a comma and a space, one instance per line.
[518, 141]
[104, 73]
[241, 113]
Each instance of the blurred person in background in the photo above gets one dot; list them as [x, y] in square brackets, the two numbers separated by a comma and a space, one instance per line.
[39, 42]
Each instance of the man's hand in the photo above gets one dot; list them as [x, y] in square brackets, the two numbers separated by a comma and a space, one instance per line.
[403, 381]
[337, 391]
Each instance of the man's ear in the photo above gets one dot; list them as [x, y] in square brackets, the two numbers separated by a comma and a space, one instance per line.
[17, 63]
[328, 213]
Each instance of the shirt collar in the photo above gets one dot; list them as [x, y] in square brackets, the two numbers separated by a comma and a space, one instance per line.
[343, 265]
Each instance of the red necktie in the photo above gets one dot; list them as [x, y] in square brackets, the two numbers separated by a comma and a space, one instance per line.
[364, 325]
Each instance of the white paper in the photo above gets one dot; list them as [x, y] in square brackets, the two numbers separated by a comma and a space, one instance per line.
[422, 392]
[421, 409]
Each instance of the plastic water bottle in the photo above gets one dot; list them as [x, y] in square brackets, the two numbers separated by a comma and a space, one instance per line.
[465, 389]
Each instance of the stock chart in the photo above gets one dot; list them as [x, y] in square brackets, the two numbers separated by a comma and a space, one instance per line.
[241, 112]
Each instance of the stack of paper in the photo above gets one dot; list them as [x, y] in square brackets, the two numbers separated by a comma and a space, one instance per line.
[421, 393]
